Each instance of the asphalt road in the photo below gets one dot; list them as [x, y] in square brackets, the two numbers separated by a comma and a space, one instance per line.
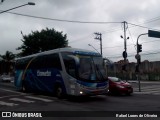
[108, 106]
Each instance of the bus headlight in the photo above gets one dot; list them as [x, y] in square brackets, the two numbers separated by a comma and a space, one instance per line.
[81, 92]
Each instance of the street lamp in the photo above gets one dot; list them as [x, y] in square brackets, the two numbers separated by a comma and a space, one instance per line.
[29, 3]
[93, 48]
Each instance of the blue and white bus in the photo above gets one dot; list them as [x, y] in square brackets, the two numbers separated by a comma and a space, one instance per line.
[63, 71]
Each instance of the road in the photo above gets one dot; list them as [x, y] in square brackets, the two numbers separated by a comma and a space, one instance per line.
[147, 100]
[146, 87]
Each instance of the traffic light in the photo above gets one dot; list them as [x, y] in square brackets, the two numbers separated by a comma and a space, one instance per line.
[139, 48]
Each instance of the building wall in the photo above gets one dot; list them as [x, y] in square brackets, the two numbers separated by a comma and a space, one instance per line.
[148, 70]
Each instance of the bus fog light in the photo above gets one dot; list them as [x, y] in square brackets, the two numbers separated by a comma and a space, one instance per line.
[81, 92]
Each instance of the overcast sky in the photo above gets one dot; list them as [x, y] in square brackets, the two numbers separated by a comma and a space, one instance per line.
[139, 12]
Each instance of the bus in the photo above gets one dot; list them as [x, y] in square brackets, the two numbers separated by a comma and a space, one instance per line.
[63, 71]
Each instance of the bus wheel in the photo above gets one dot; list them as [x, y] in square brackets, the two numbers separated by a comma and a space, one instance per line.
[24, 89]
[59, 92]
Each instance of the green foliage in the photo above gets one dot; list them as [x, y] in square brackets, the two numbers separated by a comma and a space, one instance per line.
[44, 40]
[8, 56]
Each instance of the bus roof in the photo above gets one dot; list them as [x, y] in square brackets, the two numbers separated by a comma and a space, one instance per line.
[67, 49]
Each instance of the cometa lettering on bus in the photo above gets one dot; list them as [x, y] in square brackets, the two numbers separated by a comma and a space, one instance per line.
[41, 73]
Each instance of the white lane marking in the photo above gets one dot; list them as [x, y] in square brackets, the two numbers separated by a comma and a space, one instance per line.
[7, 104]
[9, 96]
[37, 98]
[13, 91]
[21, 100]
[152, 92]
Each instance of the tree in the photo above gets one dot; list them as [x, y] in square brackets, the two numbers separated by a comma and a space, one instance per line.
[46, 39]
[8, 56]
[6, 64]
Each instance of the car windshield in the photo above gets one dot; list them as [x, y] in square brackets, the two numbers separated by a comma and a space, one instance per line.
[91, 68]
[114, 79]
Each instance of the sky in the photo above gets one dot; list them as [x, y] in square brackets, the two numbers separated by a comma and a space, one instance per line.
[102, 16]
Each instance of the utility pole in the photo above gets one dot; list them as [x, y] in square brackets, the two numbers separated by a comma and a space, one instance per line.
[125, 42]
[124, 54]
[99, 37]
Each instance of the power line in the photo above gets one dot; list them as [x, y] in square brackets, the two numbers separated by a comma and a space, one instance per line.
[142, 26]
[151, 20]
[132, 39]
[131, 44]
[86, 22]
[61, 20]
[133, 54]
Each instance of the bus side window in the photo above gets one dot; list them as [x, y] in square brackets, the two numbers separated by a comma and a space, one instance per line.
[53, 61]
[70, 65]
[22, 64]
[37, 63]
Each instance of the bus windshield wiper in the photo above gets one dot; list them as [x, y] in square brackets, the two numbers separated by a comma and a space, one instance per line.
[99, 72]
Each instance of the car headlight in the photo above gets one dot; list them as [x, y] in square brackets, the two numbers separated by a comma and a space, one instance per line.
[120, 86]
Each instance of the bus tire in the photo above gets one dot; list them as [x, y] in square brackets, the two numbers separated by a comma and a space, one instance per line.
[24, 88]
[59, 92]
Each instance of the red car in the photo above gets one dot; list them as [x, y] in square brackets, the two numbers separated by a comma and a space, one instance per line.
[117, 86]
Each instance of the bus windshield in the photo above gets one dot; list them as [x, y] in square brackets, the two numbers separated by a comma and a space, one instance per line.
[85, 67]
[91, 68]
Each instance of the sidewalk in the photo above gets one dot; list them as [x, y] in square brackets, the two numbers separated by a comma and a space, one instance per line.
[143, 81]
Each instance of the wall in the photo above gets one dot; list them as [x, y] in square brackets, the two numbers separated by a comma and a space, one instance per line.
[148, 70]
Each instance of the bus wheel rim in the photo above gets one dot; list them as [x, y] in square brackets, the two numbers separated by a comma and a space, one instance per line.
[59, 92]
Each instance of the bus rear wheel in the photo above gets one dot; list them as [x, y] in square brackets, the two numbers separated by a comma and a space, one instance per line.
[24, 89]
[59, 92]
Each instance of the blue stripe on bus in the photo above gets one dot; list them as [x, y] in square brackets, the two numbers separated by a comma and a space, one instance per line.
[40, 81]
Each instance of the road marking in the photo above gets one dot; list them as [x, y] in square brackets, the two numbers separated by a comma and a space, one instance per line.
[21, 100]
[152, 89]
[37, 98]
[7, 104]
[9, 96]
[148, 88]
[13, 91]
[147, 93]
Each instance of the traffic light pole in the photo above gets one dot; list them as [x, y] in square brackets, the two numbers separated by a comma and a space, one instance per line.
[138, 57]
[150, 33]
[138, 39]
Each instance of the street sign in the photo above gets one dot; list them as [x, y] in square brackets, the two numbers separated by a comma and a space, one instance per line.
[152, 33]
